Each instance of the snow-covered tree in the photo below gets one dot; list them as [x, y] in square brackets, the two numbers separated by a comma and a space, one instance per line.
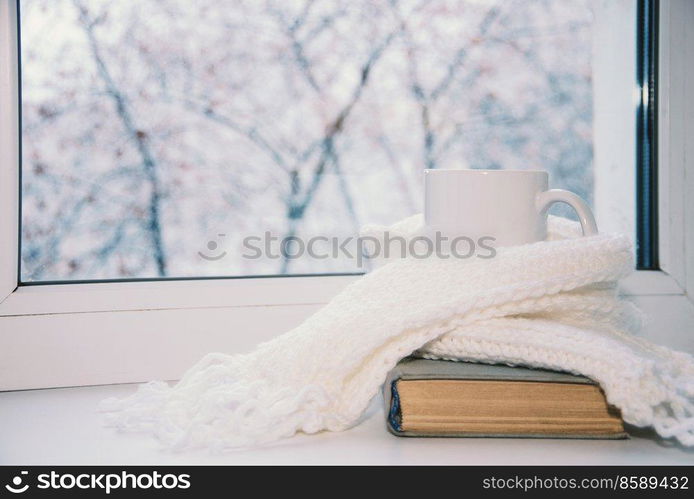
[155, 126]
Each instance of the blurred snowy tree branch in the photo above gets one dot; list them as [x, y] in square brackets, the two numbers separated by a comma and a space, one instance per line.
[150, 127]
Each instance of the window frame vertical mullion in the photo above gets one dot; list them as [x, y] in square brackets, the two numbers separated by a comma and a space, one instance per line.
[647, 243]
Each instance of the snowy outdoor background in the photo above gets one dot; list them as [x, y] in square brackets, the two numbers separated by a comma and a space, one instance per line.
[151, 127]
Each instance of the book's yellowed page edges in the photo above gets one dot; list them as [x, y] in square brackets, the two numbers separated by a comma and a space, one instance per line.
[505, 407]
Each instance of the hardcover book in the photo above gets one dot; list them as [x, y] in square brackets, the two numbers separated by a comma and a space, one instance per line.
[462, 399]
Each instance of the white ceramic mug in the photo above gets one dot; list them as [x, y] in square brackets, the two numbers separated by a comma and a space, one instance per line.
[507, 205]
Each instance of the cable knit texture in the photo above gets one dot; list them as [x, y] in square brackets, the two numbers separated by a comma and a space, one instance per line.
[552, 304]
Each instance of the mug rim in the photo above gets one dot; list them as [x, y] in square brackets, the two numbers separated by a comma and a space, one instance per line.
[479, 171]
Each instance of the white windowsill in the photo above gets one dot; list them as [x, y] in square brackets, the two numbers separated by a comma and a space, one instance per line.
[61, 426]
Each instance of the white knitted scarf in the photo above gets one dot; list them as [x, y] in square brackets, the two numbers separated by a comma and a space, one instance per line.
[552, 304]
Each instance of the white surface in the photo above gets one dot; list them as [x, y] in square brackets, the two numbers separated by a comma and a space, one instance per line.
[675, 144]
[9, 149]
[61, 426]
[614, 115]
[75, 349]
[171, 294]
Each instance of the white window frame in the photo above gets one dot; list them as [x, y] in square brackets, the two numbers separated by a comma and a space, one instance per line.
[86, 334]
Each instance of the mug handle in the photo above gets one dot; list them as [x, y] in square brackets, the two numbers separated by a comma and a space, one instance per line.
[548, 198]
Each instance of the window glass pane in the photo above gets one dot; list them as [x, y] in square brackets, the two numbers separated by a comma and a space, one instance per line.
[159, 135]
